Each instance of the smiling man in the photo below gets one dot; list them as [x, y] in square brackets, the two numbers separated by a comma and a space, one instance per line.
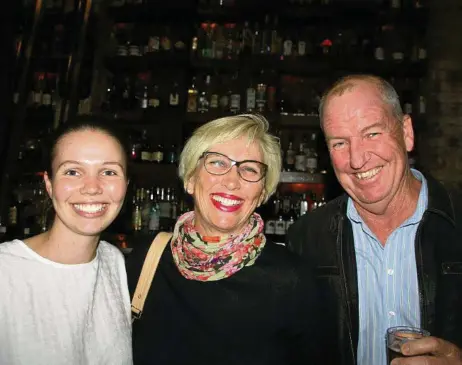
[388, 252]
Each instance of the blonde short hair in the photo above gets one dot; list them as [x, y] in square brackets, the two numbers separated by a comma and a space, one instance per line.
[254, 127]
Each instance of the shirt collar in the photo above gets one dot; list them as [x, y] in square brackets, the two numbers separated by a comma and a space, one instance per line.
[415, 218]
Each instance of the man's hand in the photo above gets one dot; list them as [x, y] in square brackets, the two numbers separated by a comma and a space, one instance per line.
[429, 351]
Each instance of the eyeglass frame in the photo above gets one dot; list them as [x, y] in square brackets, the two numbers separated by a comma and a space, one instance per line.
[234, 163]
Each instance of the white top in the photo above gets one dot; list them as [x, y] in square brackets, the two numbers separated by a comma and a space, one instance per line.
[52, 313]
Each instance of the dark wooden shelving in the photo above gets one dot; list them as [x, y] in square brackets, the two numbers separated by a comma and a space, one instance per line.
[367, 12]
[150, 174]
[149, 61]
[317, 66]
[159, 11]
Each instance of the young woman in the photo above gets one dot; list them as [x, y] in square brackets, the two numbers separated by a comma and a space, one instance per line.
[64, 292]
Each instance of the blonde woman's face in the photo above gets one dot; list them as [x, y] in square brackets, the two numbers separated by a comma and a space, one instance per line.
[224, 203]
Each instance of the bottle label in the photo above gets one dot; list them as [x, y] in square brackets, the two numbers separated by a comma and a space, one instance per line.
[134, 51]
[300, 163]
[379, 54]
[287, 47]
[422, 53]
[301, 48]
[37, 97]
[290, 157]
[235, 102]
[312, 163]
[146, 156]
[192, 104]
[288, 224]
[398, 56]
[214, 101]
[153, 44]
[153, 103]
[174, 99]
[270, 227]
[46, 99]
[251, 99]
[224, 101]
[422, 106]
[408, 108]
[280, 228]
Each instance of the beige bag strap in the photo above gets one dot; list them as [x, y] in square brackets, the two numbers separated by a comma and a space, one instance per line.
[147, 273]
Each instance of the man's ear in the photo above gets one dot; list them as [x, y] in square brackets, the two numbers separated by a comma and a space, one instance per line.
[48, 184]
[408, 133]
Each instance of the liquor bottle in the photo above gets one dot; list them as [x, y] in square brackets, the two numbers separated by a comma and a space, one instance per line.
[203, 101]
[256, 39]
[46, 96]
[136, 211]
[154, 97]
[135, 148]
[231, 50]
[250, 98]
[170, 156]
[214, 97]
[146, 152]
[379, 52]
[265, 42]
[146, 207]
[304, 205]
[276, 40]
[235, 98]
[280, 230]
[192, 97]
[246, 39]
[144, 98]
[158, 154]
[220, 43]
[261, 94]
[311, 154]
[300, 159]
[154, 215]
[174, 97]
[3, 230]
[290, 157]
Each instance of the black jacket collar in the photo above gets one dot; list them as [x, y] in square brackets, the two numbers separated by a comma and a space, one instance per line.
[439, 201]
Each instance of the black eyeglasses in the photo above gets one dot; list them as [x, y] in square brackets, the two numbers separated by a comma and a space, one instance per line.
[218, 164]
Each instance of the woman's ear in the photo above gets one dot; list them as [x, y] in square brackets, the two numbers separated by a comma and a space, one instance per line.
[262, 198]
[48, 184]
[189, 186]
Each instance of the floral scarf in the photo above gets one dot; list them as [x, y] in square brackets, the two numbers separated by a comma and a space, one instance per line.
[197, 259]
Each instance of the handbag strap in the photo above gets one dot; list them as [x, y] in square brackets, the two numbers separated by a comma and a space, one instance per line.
[147, 273]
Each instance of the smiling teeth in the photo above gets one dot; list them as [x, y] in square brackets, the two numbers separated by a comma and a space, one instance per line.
[226, 201]
[368, 174]
[90, 208]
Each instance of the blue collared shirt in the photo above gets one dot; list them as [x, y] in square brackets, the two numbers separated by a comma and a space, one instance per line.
[387, 279]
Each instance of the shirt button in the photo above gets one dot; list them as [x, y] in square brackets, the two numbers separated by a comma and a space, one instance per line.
[391, 313]
[390, 271]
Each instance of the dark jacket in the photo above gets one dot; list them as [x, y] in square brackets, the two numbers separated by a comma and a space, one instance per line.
[324, 239]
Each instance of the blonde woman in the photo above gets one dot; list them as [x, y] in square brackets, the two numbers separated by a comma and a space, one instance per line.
[223, 293]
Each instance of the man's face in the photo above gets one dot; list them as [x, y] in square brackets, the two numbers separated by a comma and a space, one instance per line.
[367, 145]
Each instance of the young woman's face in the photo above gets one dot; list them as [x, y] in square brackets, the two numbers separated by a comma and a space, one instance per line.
[89, 181]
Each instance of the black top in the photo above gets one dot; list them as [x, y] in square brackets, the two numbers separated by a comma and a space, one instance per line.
[263, 314]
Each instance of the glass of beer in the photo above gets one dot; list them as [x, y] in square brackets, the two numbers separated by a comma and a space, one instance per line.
[396, 336]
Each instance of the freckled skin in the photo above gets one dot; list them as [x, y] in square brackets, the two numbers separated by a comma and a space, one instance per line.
[362, 135]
